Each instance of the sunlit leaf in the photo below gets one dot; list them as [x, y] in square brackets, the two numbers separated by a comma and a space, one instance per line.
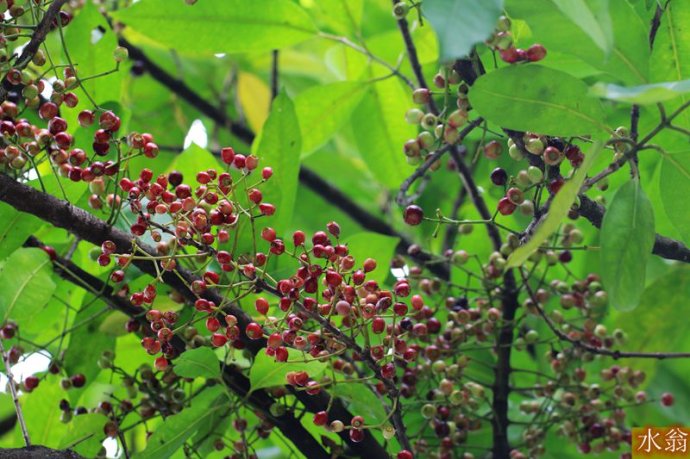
[460, 24]
[627, 238]
[219, 26]
[538, 99]
[267, 372]
[196, 363]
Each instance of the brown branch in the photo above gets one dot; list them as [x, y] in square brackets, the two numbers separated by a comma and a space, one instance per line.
[37, 39]
[34, 452]
[414, 58]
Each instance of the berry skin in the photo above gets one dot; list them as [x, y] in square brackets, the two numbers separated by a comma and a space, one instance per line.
[356, 435]
[493, 149]
[78, 380]
[506, 207]
[510, 55]
[536, 52]
[321, 418]
[31, 383]
[667, 399]
[499, 176]
[405, 454]
[421, 96]
[254, 331]
[552, 156]
[413, 215]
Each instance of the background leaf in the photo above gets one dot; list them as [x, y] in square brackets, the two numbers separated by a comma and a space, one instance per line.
[561, 30]
[538, 99]
[15, 228]
[228, 26]
[171, 435]
[201, 362]
[368, 245]
[267, 372]
[627, 238]
[460, 24]
[643, 94]
[322, 110]
[25, 284]
[278, 146]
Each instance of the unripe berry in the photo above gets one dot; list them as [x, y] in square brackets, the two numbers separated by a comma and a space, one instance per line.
[493, 149]
[421, 96]
[535, 146]
[414, 116]
[400, 10]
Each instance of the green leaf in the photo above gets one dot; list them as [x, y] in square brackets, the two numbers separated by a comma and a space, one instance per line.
[373, 245]
[674, 186]
[218, 26]
[382, 111]
[361, 400]
[171, 435]
[592, 17]
[650, 326]
[25, 284]
[15, 227]
[84, 434]
[322, 110]
[267, 372]
[343, 16]
[201, 362]
[557, 211]
[461, 24]
[538, 99]
[627, 238]
[565, 27]
[278, 146]
[644, 94]
[193, 160]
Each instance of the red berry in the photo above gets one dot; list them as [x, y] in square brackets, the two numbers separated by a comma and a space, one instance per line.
[667, 399]
[510, 55]
[321, 418]
[266, 173]
[254, 331]
[536, 52]
[218, 339]
[227, 154]
[356, 435]
[506, 207]
[31, 383]
[413, 215]
[405, 454]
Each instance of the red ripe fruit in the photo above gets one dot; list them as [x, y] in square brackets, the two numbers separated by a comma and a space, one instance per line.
[227, 154]
[267, 209]
[266, 173]
[556, 185]
[240, 161]
[667, 399]
[378, 325]
[333, 228]
[31, 383]
[218, 339]
[255, 196]
[356, 435]
[161, 363]
[506, 207]
[212, 324]
[48, 110]
[413, 215]
[404, 454]
[298, 238]
[261, 306]
[510, 55]
[86, 118]
[254, 331]
[109, 121]
[321, 418]
[536, 52]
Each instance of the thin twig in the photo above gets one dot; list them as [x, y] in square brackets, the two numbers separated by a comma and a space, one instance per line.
[15, 397]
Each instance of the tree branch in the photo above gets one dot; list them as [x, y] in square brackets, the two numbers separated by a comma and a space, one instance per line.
[38, 37]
